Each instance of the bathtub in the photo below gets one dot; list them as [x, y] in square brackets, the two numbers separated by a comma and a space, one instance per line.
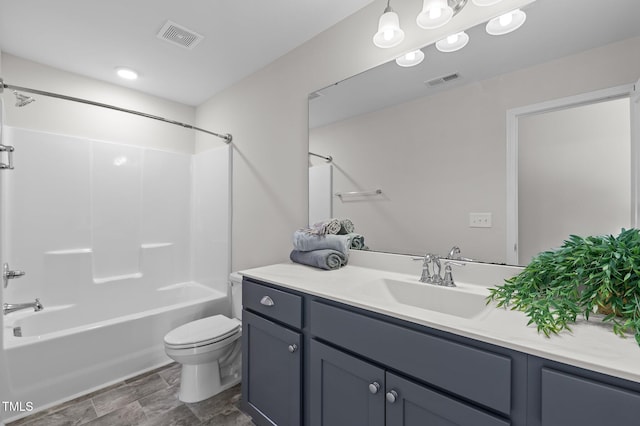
[65, 351]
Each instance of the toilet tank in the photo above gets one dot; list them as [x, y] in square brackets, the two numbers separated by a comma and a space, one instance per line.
[235, 291]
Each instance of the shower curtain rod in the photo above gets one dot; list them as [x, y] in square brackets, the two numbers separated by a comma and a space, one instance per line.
[329, 158]
[227, 136]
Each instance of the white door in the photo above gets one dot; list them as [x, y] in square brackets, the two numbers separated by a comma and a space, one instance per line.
[565, 169]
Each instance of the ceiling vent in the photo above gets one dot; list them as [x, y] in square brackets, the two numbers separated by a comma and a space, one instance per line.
[314, 95]
[441, 80]
[179, 35]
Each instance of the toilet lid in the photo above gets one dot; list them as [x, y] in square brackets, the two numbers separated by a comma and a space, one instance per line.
[209, 330]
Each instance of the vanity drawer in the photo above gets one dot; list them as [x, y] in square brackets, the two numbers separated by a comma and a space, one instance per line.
[270, 302]
[478, 375]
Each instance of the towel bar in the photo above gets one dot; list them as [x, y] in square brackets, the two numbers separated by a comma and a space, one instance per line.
[359, 193]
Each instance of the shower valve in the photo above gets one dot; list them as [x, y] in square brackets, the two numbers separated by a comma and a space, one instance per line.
[9, 275]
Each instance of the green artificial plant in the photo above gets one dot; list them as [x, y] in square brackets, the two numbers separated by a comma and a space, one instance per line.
[585, 275]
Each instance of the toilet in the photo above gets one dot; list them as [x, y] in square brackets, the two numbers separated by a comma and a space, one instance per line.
[209, 350]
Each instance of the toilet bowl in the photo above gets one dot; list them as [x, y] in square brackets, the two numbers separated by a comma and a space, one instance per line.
[209, 351]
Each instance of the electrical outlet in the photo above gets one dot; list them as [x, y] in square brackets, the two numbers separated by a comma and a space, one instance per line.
[479, 220]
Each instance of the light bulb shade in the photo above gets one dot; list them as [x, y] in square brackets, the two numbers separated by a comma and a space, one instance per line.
[389, 33]
[506, 23]
[453, 42]
[485, 2]
[410, 59]
[435, 13]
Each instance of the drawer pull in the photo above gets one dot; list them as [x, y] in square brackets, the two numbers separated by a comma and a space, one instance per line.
[374, 387]
[267, 301]
[392, 396]
[293, 347]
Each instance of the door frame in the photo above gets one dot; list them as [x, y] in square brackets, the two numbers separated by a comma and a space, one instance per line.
[514, 114]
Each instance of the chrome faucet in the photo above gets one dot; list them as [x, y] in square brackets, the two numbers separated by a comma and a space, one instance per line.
[426, 274]
[427, 277]
[454, 254]
[435, 278]
[7, 308]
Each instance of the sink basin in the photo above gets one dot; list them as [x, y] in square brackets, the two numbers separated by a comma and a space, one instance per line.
[457, 301]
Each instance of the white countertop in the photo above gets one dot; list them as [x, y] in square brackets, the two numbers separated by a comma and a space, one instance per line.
[591, 344]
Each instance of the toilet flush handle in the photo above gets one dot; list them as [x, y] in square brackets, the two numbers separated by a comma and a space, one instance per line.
[267, 301]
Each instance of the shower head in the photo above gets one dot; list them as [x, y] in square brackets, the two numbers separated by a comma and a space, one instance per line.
[22, 100]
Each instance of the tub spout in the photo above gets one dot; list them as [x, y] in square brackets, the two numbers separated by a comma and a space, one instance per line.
[7, 308]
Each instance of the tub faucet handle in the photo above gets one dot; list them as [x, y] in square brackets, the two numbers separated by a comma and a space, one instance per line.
[7, 274]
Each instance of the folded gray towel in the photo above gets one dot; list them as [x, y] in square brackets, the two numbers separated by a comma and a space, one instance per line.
[323, 259]
[329, 226]
[357, 241]
[304, 241]
[346, 226]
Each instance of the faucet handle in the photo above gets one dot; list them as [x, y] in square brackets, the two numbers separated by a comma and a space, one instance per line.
[9, 275]
[447, 281]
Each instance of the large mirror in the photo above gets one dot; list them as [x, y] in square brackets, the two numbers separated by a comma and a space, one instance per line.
[499, 148]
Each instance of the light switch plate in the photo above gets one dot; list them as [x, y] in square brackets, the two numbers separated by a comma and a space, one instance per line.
[480, 220]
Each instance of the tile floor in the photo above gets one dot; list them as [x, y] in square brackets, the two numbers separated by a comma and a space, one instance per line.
[150, 399]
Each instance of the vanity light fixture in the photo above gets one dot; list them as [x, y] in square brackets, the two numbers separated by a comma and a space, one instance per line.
[485, 2]
[389, 32]
[453, 42]
[126, 73]
[435, 13]
[410, 59]
[506, 23]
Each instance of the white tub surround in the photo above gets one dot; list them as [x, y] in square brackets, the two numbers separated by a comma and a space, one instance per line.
[121, 244]
[592, 345]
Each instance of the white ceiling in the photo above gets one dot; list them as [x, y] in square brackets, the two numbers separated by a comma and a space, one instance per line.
[93, 37]
[553, 29]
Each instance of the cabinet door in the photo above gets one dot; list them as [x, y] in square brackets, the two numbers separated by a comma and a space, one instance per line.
[345, 391]
[410, 404]
[573, 400]
[272, 375]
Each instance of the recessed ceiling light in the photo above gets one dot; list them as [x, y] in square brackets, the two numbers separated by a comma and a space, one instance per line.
[506, 23]
[453, 42]
[126, 73]
[410, 59]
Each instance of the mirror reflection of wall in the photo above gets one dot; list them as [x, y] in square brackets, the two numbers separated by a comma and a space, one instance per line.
[573, 174]
[320, 193]
[440, 158]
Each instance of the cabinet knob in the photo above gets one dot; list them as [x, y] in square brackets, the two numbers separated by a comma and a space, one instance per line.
[293, 347]
[374, 387]
[267, 301]
[392, 396]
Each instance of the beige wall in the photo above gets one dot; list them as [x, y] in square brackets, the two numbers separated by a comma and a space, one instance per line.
[267, 115]
[439, 158]
[64, 117]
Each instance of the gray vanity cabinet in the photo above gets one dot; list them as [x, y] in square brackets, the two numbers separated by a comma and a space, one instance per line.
[271, 358]
[411, 404]
[562, 395]
[345, 391]
[308, 361]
